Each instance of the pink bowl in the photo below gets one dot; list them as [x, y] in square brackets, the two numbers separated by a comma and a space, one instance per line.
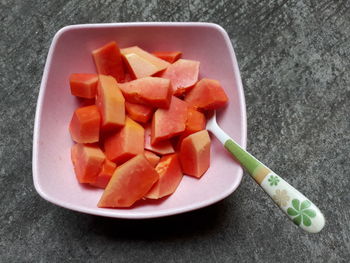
[70, 52]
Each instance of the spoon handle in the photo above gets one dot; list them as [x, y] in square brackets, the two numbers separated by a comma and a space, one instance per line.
[294, 204]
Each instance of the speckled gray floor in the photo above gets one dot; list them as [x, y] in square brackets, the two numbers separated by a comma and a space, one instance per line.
[294, 58]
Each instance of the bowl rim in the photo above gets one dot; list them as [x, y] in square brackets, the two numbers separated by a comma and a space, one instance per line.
[112, 212]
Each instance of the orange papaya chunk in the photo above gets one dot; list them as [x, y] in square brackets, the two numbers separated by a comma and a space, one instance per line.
[158, 63]
[207, 94]
[108, 61]
[195, 154]
[162, 147]
[105, 174]
[167, 123]
[196, 121]
[138, 112]
[84, 126]
[111, 103]
[87, 161]
[170, 56]
[170, 176]
[125, 143]
[129, 183]
[152, 158]
[183, 74]
[128, 77]
[138, 66]
[83, 85]
[149, 91]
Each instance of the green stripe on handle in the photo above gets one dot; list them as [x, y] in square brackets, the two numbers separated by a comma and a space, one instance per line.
[245, 159]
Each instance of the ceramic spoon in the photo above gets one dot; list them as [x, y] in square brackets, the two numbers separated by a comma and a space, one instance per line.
[294, 204]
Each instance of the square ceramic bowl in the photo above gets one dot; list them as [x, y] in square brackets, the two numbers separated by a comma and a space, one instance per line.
[70, 52]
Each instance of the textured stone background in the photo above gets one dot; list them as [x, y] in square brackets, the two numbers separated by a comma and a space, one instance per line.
[294, 58]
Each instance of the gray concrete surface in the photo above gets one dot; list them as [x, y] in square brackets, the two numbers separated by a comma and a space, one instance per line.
[294, 58]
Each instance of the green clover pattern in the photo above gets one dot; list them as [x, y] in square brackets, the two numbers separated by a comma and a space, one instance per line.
[301, 212]
[273, 180]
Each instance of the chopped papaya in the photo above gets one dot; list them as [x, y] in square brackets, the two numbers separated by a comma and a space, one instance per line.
[149, 91]
[129, 183]
[125, 143]
[183, 74]
[105, 174]
[170, 56]
[207, 94]
[134, 161]
[128, 77]
[108, 61]
[170, 176]
[196, 121]
[151, 64]
[138, 112]
[84, 126]
[138, 66]
[167, 123]
[195, 154]
[83, 85]
[111, 103]
[163, 147]
[152, 157]
[87, 161]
